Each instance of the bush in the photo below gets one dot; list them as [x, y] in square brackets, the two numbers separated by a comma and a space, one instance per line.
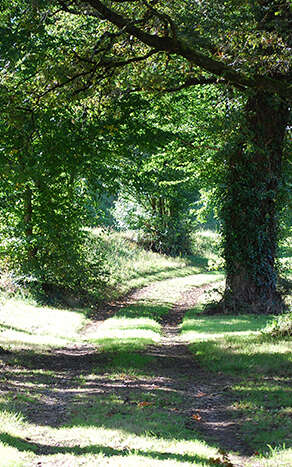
[67, 268]
[279, 327]
[161, 233]
[207, 244]
[167, 236]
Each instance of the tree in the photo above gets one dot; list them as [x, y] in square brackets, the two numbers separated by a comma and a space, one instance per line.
[126, 46]
[48, 156]
[250, 211]
[163, 149]
[248, 47]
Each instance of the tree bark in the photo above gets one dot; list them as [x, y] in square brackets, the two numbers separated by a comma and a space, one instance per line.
[250, 211]
[28, 211]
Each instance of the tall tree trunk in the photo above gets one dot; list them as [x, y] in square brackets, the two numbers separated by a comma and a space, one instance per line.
[28, 210]
[250, 214]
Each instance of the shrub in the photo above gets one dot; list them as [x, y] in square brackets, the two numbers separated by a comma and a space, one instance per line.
[280, 326]
[70, 268]
[167, 233]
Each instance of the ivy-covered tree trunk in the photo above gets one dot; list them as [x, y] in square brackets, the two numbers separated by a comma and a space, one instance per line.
[250, 212]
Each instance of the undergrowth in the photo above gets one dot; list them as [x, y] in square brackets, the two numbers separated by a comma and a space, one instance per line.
[279, 327]
[112, 265]
[131, 266]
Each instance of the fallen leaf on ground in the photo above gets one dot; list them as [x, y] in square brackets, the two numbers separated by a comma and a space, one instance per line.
[201, 394]
[197, 417]
[144, 404]
[218, 461]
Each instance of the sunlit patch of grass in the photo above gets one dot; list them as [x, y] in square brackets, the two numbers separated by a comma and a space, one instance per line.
[131, 266]
[22, 323]
[199, 327]
[262, 396]
[120, 332]
[100, 446]
[109, 430]
[12, 455]
[279, 457]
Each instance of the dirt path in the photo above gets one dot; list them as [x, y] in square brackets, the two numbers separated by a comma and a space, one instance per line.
[205, 394]
[176, 368]
[173, 368]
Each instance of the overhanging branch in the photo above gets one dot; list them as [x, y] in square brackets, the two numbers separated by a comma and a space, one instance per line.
[173, 45]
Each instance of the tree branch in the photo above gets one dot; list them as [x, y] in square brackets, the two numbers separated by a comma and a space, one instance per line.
[107, 66]
[180, 47]
[120, 63]
[61, 85]
[187, 84]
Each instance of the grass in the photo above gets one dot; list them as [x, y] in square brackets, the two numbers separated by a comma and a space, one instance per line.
[107, 420]
[131, 266]
[27, 324]
[118, 334]
[103, 406]
[106, 435]
[261, 371]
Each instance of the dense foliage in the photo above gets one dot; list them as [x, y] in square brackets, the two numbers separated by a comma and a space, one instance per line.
[73, 126]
